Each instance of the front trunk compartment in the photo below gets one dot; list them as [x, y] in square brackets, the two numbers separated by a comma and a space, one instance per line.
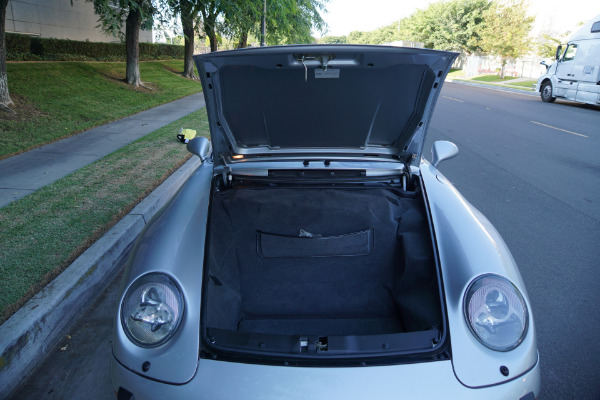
[321, 272]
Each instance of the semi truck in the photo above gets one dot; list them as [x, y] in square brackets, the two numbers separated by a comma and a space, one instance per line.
[575, 74]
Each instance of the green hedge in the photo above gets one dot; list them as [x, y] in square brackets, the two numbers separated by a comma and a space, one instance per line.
[17, 43]
[28, 48]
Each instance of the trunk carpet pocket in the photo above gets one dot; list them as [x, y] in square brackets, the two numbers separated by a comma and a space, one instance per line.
[352, 244]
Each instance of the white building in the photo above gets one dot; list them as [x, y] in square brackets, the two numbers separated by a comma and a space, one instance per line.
[406, 43]
[60, 20]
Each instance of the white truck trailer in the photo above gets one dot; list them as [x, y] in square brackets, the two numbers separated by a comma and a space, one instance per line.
[575, 75]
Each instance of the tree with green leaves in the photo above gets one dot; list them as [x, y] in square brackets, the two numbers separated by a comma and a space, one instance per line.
[287, 21]
[334, 39]
[385, 34]
[359, 37]
[135, 13]
[240, 20]
[506, 31]
[548, 44]
[188, 11]
[447, 25]
[5, 100]
[292, 21]
[210, 11]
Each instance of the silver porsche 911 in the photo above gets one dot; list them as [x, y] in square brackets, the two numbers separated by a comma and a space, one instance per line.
[314, 254]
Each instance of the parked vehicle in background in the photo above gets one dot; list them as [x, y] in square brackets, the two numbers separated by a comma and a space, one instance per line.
[575, 75]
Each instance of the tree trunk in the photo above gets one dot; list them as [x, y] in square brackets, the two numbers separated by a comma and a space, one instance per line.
[214, 46]
[209, 29]
[132, 43]
[5, 100]
[212, 37]
[502, 69]
[243, 42]
[187, 22]
[209, 12]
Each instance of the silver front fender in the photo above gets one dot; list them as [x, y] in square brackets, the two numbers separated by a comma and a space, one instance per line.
[172, 243]
[468, 247]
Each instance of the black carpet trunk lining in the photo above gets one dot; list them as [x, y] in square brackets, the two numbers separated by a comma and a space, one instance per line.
[320, 261]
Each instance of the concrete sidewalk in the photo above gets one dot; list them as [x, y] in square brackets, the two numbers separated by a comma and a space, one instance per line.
[27, 172]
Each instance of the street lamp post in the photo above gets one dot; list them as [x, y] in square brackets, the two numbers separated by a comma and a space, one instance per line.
[263, 25]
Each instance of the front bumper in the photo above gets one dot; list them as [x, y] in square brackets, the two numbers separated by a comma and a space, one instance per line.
[226, 380]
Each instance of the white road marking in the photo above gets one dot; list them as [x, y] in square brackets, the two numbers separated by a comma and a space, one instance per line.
[450, 98]
[558, 129]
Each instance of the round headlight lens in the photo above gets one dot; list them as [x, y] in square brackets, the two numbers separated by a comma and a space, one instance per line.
[151, 310]
[496, 312]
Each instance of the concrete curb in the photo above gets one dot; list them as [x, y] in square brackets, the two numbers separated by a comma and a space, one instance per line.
[494, 87]
[27, 336]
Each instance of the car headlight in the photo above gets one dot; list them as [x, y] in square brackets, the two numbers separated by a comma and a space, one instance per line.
[151, 310]
[496, 312]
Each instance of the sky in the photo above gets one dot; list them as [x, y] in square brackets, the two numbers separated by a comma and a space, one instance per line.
[345, 16]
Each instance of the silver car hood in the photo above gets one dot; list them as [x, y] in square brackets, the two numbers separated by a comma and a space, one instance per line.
[321, 100]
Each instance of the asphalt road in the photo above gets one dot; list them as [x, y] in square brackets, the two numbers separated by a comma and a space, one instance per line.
[540, 187]
[533, 169]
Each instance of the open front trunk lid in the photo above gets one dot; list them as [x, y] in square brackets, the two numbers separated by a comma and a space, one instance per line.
[328, 99]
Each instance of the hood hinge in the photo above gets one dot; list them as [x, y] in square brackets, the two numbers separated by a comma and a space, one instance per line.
[226, 176]
[407, 176]
[407, 163]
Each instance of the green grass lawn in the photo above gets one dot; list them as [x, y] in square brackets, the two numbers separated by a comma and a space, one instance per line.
[41, 234]
[455, 73]
[491, 78]
[525, 84]
[54, 100]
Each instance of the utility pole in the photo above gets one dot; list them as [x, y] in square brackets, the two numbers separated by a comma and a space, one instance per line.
[263, 25]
